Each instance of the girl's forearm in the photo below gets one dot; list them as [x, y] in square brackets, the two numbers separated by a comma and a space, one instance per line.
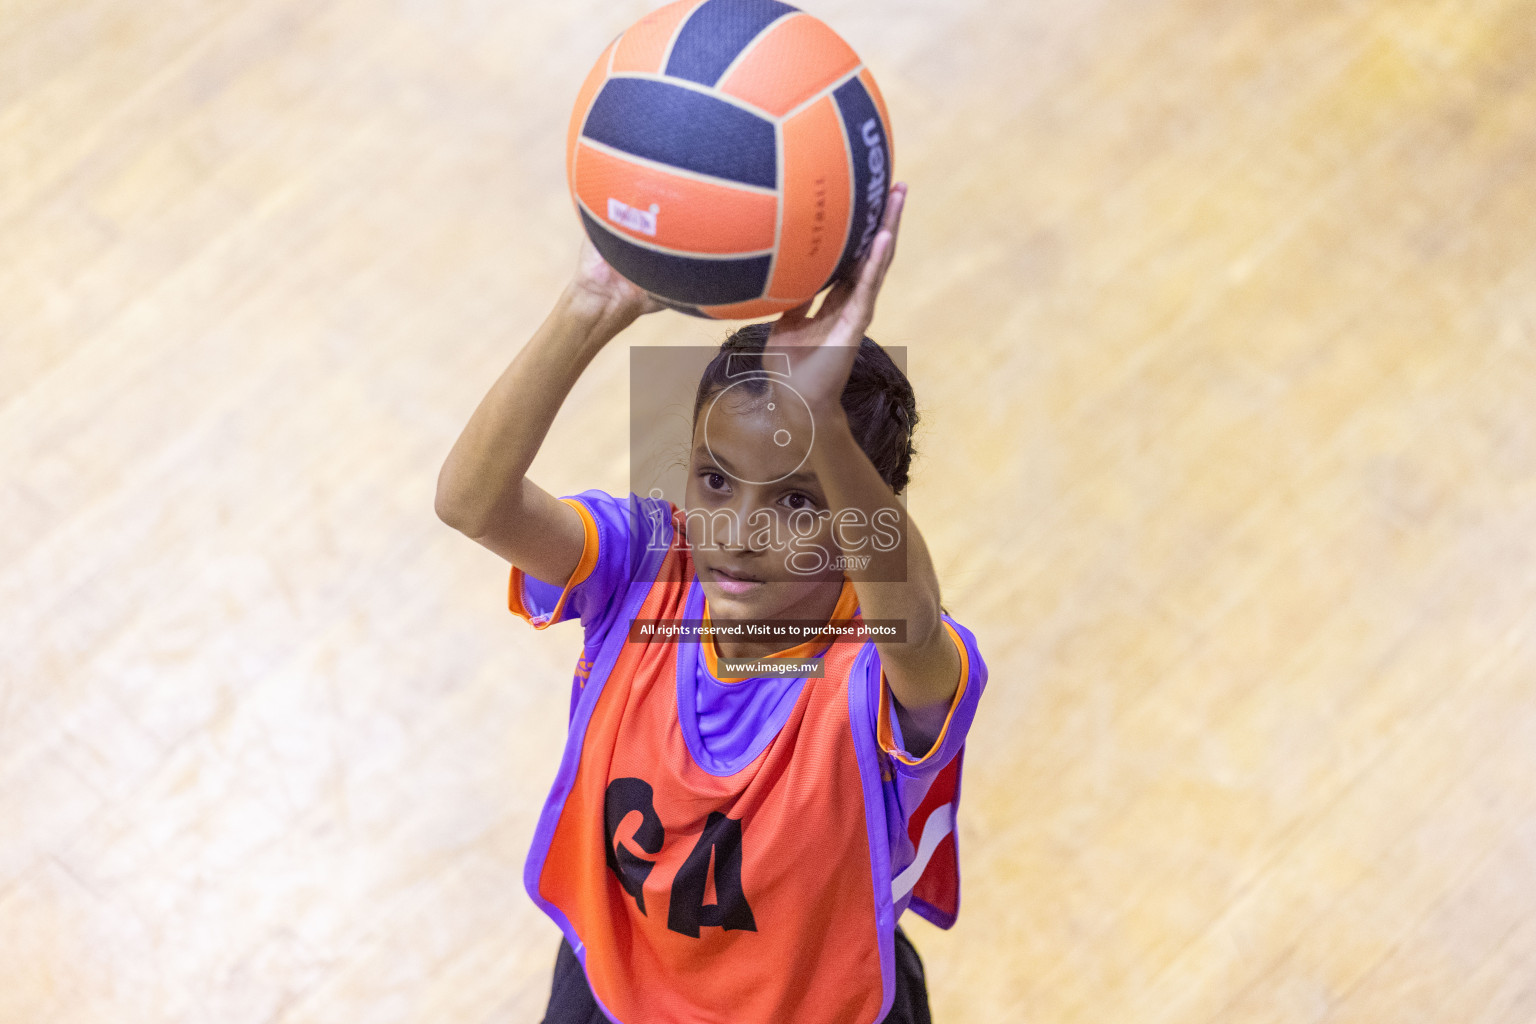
[483, 474]
[897, 583]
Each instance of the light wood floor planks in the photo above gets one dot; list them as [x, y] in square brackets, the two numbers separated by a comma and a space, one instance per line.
[1222, 320]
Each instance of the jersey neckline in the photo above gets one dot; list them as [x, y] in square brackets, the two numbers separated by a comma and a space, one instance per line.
[688, 681]
[847, 607]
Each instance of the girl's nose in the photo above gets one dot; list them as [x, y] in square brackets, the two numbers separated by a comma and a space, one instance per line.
[735, 532]
[742, 529]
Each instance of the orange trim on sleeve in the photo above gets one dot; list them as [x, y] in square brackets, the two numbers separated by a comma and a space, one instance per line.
[883, 730]
[583, 569]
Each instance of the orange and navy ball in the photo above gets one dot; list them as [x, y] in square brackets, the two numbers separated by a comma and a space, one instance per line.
[731, 157]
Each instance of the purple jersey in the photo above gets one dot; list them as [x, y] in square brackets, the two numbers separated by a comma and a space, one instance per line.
[734, 720]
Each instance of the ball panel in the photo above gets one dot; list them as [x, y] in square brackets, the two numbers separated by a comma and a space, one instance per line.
[885, 117]
[789, 64]
[748, 310]
[669, 209]
[865, 132]
[684, 128]
[716, 32]
[645, 44]
[692, 280]
[594, 81]
[816, 202]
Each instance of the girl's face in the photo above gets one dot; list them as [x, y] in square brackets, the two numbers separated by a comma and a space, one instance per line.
[757, 518]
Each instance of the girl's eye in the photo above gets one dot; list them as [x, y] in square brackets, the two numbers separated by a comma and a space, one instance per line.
[714, 481]
[798, 501]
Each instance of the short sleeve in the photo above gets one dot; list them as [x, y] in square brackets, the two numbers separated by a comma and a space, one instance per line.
[957, 722]
[616, 533]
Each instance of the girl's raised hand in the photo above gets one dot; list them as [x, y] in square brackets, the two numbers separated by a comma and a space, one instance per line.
[601, 290]
[821, 349]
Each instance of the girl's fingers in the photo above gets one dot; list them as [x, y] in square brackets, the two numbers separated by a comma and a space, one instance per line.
[892, 223]
[872, 275]
[881, 251]
[893, 212]
[837, 297]
[897, 204]
[851, 301]
[800, 312]
[779, 333]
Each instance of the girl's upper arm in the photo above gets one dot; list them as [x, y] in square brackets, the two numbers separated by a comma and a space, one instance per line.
[544, 539]
[940, 730]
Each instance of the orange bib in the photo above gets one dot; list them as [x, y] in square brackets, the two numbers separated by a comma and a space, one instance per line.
[756, 897]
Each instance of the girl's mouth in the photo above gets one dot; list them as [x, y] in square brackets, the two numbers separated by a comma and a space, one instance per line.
[734, 585]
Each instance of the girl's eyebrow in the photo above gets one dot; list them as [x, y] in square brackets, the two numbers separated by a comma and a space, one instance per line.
[801, 478]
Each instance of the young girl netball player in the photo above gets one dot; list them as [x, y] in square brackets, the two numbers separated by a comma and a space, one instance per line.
[719, 847]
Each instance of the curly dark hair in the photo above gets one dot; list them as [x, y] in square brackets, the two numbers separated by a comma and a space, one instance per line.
[881, 408]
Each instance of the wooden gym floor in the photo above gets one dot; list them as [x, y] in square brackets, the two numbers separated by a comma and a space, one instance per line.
[1221, 319]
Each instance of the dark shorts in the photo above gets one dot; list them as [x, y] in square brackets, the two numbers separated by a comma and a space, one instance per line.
[571, 1002]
